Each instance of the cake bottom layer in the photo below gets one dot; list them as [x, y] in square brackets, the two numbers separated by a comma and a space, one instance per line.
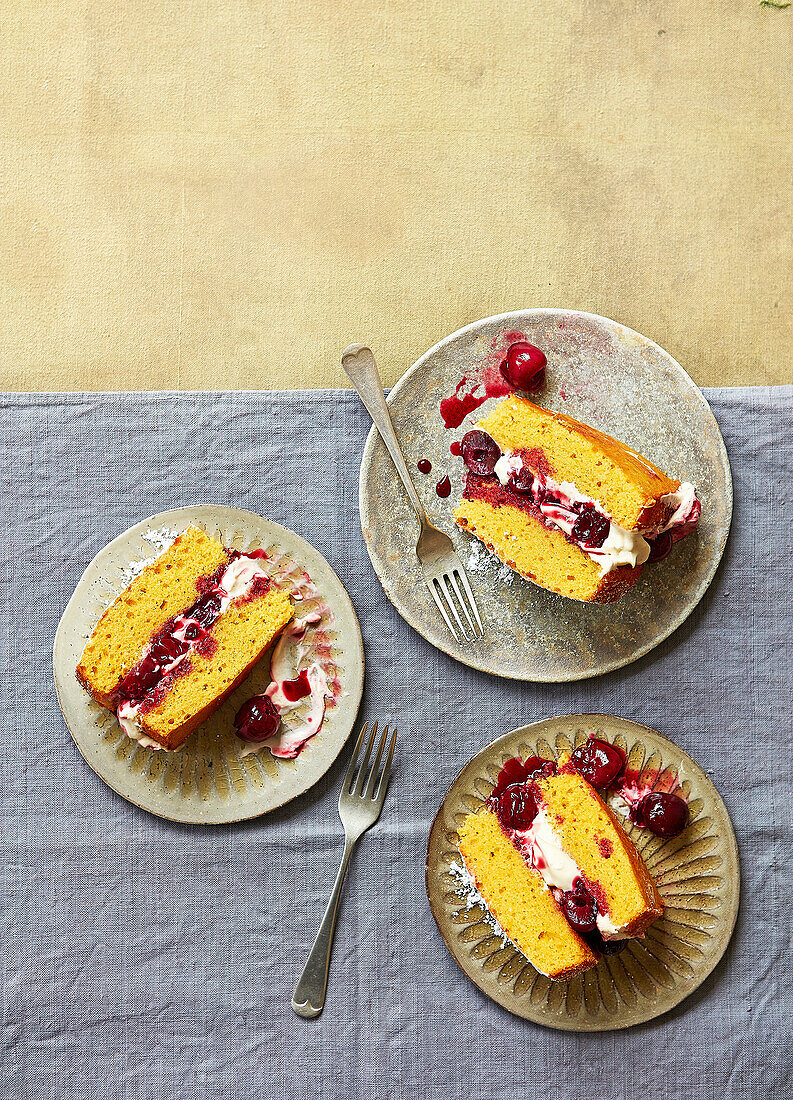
[520, 901]
[542, 555]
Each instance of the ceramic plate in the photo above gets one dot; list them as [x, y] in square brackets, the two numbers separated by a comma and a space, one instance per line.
[207, 780]
[599, 372]
[697, 875]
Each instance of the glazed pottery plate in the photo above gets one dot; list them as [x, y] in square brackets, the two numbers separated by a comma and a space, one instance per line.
[208, 780]
[697, 875]
[605, 375]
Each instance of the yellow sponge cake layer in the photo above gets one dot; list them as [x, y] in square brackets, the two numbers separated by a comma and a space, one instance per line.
[591, 834]
[626, 483]
[159, 592]
[519, 900]
[241, 636]
[540, 553]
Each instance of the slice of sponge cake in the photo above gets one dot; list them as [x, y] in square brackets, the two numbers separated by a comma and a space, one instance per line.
[181, 637]
[565, 505]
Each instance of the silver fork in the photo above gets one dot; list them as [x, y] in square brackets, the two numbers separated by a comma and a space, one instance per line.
[439, 561]
[359, 808]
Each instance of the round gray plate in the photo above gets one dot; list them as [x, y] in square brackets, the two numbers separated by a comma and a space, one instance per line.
[697, 875]
[206, 781]
[605, 375]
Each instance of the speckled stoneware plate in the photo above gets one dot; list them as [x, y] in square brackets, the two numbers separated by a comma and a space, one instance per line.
[697, 874]
[206, 781]
[599, 372]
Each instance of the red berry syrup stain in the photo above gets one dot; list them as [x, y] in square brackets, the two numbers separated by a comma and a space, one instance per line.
[489, 380]
[424, 465]
[298, 688]
[456, 448]
[444, 487]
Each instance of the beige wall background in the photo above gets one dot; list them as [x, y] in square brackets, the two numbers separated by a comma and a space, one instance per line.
[225, 194]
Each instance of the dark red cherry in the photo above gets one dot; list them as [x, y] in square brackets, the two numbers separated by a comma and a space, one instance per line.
[598, 762]
[516, 770]
[141, 679]
[660, 547]
[591, 527]
[580, 908]
[538, 768]
[516, 807]
[480, 453]
[522, 482]
[444, 487]
[424, 465]
[167, 649]
[257, 719]
[662, 813]
[207, 609]
[524, 366]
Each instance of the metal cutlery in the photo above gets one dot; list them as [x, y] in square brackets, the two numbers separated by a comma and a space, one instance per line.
[360, 802]
[443, 570]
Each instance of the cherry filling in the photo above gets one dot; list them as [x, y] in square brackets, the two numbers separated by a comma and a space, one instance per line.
[257, 719]
[598, 762]
[592, 527]
[516, 807]
[516, 770]
[662, 813]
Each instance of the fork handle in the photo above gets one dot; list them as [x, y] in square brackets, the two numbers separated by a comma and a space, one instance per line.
[309, 997]
[360, 367]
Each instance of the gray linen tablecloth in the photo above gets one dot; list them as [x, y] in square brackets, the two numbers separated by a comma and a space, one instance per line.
[147, 959]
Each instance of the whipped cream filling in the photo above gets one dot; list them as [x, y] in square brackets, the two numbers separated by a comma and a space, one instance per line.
[236, 581]
[543, 849]
[621, 547]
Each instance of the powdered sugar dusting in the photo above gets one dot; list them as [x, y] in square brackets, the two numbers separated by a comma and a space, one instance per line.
[471, 898]
[481, 559]
[160, 539]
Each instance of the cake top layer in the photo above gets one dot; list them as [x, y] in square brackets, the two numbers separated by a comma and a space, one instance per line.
[628, 485]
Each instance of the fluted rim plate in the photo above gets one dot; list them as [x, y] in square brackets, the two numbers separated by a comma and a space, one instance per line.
[206, 781]
[697, 875]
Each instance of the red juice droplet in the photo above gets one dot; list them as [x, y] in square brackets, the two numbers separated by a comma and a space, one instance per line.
[456, 448]
[424, 465]
[444, 487]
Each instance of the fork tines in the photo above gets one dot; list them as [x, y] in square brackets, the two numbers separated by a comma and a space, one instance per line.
[358, 771]
[439, 589]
